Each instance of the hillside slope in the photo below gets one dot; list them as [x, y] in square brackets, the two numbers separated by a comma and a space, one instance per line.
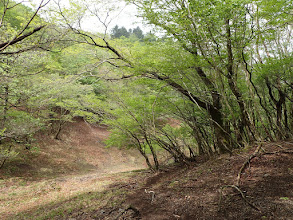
[80, 150]
[54, 170]
[205, 190]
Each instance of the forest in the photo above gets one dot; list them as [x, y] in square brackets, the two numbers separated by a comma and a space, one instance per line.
[212, 78]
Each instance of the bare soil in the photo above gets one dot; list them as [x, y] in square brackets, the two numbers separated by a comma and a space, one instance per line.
[80, 150]
[54, 170]
[193, 192]
[206, 189]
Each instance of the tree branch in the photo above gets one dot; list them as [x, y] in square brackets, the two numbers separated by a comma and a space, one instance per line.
[3, 46]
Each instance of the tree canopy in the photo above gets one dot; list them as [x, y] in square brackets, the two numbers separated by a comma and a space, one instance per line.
[218, 78]
[117, 32]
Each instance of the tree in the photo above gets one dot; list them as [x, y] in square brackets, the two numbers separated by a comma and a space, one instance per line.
[208, 57]
[119, 32]
[26, 24]
[35, 87]
[218, 35]
[222, 71]
[146, 125]
[60, 104]
[138, 33]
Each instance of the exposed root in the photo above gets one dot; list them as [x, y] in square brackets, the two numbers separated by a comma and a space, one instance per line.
[242, 196]
[247, 163]
[278, 152]
[257, 153]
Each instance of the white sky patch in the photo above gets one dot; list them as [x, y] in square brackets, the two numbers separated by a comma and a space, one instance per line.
[124, 16]
[121, 14]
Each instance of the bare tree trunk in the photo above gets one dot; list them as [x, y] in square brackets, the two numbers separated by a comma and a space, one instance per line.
[223, 142]
[154, 157]
[60, 126]
[233, 85]
[4, 160]
[153, 152]
[145, 157]
[278, 106]
[6, 101]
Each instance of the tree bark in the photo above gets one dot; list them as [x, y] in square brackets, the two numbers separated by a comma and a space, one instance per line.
[223, 140]
[278, 105]
[156, 162]
[3, 46]
[233, 84]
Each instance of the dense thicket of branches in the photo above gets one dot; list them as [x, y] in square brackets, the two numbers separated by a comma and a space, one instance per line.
[220, 78]
[233, 69]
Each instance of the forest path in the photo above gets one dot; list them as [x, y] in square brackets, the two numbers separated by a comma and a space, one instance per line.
[61, 169]
[18, 195]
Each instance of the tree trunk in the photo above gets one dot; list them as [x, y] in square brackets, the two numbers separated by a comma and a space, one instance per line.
[223, 142]
[145, 157]
[156, 162]
[60, 125]
[233, 84]
[278, 105]
[6, 100]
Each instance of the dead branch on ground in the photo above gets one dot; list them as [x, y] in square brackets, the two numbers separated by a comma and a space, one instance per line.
[247, 163]
[242, 196]
[257, 153]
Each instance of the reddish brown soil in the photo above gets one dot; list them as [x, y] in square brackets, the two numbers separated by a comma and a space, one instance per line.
[80, 150]
[77, 163]
[192, 192]
[178, 191]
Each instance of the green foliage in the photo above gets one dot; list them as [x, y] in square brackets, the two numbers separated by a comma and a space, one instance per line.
[18, 22]
[223, 71]
[276, 68]
[40, 86]
[21, 123]
[69, 96]
[17, 16]
[6, 153]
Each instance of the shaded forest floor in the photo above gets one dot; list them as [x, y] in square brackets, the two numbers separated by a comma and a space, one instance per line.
[206, 189]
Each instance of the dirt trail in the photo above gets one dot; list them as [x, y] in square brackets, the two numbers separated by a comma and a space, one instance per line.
[82, 148]
[76, 164]
[18, 195]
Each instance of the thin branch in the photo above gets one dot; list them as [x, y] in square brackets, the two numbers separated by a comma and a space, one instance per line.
[18, 37]
[3, 46]
[247, 162]
[242, 195]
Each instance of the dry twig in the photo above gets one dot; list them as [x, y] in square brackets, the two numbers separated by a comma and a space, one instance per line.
[242, 196]
[247, 162]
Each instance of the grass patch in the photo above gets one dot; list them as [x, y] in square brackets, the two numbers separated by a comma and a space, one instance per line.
[88, 203]
[64, 198]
